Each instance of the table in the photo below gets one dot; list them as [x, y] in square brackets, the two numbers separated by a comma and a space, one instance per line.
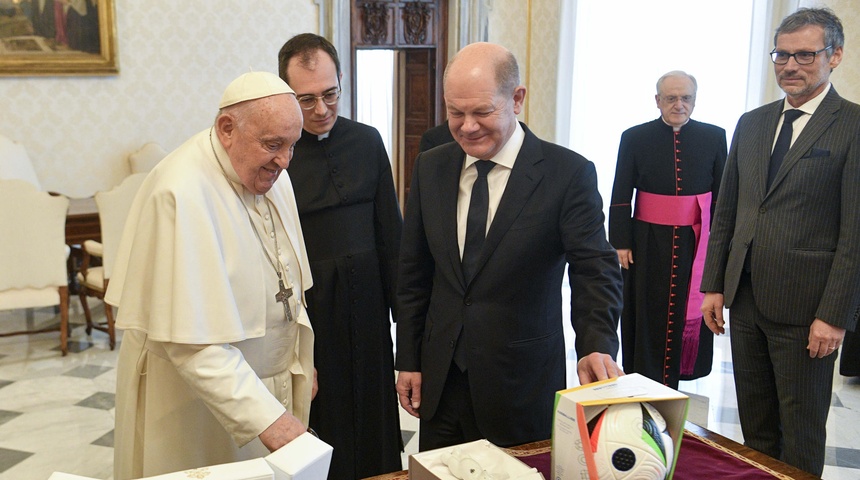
[82, 221]
[704, 455]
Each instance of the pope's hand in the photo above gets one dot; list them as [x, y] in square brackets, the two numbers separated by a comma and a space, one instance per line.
[285, 429]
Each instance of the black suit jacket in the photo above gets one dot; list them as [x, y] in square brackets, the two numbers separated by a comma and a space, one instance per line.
[438, 135]
[803, 232]
[510, 314]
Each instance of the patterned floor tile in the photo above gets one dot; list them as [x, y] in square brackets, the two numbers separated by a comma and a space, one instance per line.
[105, 440]
[10, 458]
[6, 415]
[102, 400]
[87, 371]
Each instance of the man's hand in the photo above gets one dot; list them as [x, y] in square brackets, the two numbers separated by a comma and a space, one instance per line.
[285, 429]
[712, 311]
[409, 392]
[625, 257]
[824, 339]
[597, 366]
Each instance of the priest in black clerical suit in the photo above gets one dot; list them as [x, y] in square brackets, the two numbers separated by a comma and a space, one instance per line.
[351, 223]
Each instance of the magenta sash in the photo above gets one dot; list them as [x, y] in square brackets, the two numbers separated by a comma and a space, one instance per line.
[687, 210]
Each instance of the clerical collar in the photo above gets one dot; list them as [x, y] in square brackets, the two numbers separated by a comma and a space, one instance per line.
[674, 128]
[507, 156]
[326, 134]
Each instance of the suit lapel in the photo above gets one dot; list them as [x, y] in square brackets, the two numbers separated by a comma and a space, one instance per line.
[765, 145]
[820, 121]
[449, 182]
[521, 184]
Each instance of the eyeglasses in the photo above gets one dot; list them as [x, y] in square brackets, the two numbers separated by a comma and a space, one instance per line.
[308, 102]
[671, 99]
[802, 58]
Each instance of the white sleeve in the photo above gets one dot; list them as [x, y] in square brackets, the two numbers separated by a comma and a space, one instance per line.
[232, 391]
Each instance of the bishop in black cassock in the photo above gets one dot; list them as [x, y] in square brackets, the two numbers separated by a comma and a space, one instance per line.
[654, 158]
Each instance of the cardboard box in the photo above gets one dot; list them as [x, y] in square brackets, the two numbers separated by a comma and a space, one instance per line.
[430, 465]
[305, 458]
[256, 469]
[572, 457]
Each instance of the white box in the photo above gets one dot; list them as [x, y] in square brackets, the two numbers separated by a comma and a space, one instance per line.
[574, 407]
[68, 476]
[256, 469]
[305, 458]
[430, 465]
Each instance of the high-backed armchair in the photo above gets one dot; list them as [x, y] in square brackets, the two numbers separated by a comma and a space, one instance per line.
[113, 206]
[33, 253]
[15, 163]
[146, 158]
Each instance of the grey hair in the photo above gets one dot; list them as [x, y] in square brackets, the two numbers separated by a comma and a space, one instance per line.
[677, 73]
[822, 17]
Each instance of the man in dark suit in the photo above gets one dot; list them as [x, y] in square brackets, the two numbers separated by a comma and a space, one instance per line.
[438, 135]
[480, 349]
[783, 253]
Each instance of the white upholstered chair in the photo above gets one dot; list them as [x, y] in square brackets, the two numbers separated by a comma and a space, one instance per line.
[33, 253]
[15, 163]
[146, 158]
[113, 205]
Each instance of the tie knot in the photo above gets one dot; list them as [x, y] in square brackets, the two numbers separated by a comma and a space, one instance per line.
[792, 115]
[484, 167]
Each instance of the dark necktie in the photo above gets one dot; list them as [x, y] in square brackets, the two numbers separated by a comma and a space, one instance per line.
[783, 142]
[476, 221]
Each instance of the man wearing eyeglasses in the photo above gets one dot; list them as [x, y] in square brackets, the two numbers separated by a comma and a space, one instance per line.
[675, 165]
[783, 254]
[351, 222]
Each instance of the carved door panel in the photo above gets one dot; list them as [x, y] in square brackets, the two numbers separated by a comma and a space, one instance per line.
[417, 30]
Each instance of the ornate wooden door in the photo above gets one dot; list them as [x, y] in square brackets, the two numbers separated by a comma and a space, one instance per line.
[417, 30]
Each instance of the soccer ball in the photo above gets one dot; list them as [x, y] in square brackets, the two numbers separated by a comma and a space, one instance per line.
[630, 441]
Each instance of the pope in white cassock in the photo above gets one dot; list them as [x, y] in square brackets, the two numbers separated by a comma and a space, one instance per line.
[216, 363]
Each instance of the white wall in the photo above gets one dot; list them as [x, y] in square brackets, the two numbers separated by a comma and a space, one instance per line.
[175, 58]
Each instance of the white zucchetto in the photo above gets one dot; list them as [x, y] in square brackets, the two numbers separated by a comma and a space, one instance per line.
[253, 85]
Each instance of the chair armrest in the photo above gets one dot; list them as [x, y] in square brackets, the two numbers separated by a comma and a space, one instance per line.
[94, 248]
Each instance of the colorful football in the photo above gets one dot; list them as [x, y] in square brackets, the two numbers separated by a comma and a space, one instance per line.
[630, 441]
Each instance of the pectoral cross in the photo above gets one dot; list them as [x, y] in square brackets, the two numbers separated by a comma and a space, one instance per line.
[283, 296]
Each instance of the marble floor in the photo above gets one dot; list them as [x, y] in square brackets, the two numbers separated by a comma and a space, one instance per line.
[56, 413]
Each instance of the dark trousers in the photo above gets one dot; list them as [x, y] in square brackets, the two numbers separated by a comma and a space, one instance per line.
[783, 394]
[454, 421]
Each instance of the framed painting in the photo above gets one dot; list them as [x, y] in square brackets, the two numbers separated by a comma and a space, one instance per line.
[57, 37]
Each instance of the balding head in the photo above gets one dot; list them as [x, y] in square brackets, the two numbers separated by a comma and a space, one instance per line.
[483, 96]
[480, 59]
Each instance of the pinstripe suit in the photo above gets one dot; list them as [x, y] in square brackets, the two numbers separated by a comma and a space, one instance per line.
[802, 236]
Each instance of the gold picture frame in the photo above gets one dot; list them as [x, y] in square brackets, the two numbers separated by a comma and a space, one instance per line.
[56, 38]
